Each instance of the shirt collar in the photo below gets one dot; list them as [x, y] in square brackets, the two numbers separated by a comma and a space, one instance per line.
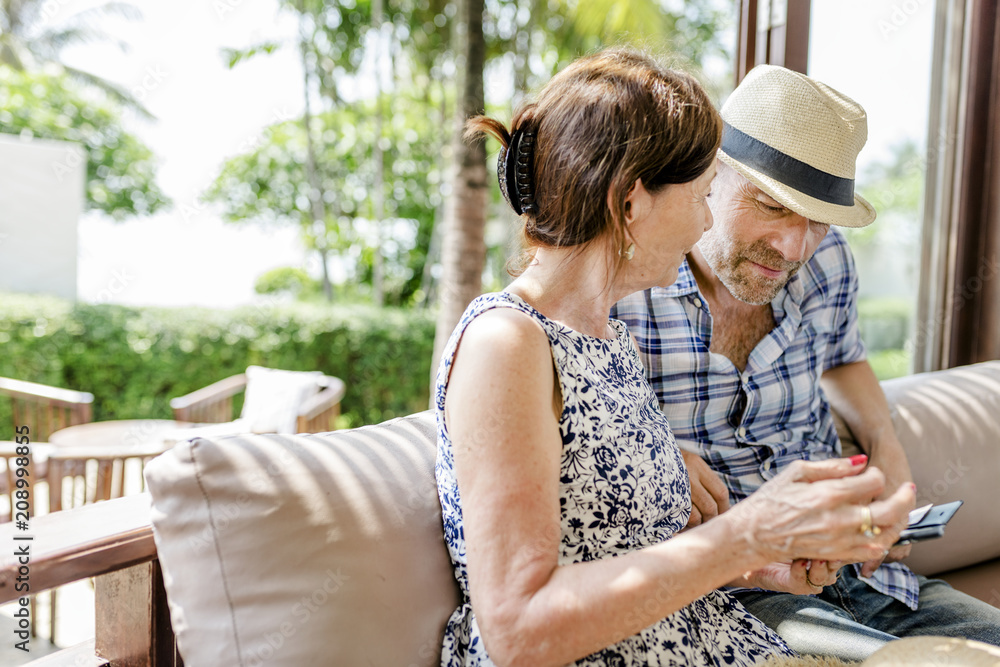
[685, 283]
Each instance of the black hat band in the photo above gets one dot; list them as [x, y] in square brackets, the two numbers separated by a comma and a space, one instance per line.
[785, 169]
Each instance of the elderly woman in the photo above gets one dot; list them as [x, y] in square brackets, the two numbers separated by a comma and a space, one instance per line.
[563, 492]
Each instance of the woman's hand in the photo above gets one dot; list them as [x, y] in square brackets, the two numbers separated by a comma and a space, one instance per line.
[815, 510]
[801, 577]
[709, 496]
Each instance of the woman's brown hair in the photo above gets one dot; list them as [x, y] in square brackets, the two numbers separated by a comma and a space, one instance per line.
[601, 124]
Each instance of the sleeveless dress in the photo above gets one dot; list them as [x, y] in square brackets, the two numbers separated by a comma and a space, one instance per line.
[623, 486]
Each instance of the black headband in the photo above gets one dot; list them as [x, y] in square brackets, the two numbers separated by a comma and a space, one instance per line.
[785, 169]
[515, 171]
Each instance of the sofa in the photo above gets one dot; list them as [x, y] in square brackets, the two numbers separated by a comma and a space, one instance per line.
[327, 549]
[293, 550]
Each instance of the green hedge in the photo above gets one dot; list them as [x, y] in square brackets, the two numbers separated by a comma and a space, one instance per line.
[134, 360]
[884, 322]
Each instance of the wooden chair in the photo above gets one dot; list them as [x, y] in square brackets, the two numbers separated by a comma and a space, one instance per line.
[10, 459]
[14, 508]
[44, 409]
[214, 404]
[84, 475]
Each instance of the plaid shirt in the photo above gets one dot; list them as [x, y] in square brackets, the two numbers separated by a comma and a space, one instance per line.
[748, 426]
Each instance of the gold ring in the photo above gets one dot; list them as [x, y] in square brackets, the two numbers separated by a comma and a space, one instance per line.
[810, 582]
[868, 529]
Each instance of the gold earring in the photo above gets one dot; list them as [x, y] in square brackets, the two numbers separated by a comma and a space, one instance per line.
[629, 251]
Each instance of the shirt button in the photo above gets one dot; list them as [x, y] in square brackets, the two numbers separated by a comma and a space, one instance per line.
[767, 465]
[742, 432]
[697, 302]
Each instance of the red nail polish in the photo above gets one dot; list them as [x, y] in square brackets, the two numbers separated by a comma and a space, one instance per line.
[913, 487]
[858, 459]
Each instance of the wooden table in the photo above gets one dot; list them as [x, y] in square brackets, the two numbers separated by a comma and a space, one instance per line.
[126, 437]
[106, 442]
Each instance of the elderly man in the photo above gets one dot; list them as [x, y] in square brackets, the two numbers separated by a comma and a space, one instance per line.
[756, 339]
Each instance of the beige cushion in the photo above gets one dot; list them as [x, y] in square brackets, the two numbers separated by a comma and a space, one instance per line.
[273, 398]
[305, 550]
[949, 425]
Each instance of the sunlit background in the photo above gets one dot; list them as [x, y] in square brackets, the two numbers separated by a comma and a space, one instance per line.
[199, 173]
[203, 112]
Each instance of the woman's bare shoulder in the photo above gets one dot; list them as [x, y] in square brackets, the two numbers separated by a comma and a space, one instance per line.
[504, 335]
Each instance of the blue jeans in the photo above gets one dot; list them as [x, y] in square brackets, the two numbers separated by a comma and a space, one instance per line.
[850, 620]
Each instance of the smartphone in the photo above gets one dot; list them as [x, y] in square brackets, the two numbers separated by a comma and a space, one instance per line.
[928, 522]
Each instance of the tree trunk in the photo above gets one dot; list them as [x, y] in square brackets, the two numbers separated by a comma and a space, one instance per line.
[463, 251]
[428, 284]
[327, 287]
[378, 186]
[317, 204]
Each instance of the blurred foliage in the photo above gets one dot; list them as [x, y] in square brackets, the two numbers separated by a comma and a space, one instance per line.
[884, 322]
[896, 189]
[290, 280]
[547, 35]
[30, 40]
[888, 364]
[134, 360]
[121, 170]
[269, 185]
[527, 41]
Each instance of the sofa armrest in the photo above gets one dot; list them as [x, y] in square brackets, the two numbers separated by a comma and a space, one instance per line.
[112, 541]
[73, 545]
[949, 425]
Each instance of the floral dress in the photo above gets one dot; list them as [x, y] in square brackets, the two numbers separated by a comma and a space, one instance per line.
[623, 486]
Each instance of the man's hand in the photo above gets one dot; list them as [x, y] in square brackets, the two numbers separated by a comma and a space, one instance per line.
[855, 393]
[895, 554]
[791, 577]
[709, 496]
[887, 456]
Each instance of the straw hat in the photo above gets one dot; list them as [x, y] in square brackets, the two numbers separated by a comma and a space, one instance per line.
[934, 652]
[798, 140]
[909, 652]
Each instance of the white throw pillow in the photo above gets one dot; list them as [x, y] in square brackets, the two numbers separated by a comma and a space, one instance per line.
[274, 398]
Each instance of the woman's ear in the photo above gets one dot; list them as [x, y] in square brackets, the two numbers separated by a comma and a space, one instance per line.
[638, 202]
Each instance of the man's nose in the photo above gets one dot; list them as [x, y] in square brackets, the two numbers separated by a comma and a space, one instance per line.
[792, 239]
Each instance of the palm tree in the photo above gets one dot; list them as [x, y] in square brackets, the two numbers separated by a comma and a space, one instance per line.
[463, 253]
[29, 40]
